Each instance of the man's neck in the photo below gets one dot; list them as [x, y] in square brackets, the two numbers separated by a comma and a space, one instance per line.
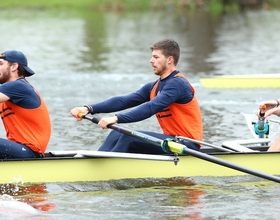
[167, 73]
[14, 78]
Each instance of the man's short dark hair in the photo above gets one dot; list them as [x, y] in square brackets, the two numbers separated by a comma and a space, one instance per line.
[21, 70]
[169, 47]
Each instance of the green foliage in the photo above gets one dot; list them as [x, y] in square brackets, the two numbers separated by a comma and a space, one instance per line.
[77, 4]
[215, 6]
[273, 3]
[47, 3]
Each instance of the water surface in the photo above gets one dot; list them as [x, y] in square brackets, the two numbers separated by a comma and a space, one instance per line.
[86, 58]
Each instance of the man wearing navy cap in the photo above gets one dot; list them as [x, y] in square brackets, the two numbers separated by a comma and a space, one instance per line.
[23, 111]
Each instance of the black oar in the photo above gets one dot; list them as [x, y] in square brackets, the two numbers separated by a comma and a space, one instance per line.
[171, 146]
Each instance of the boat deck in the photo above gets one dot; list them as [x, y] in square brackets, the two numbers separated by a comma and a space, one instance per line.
[66, 155]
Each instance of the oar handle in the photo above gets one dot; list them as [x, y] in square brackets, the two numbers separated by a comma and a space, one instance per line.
[263, 107]
[261, 121]
[94, 120]
[261, 128]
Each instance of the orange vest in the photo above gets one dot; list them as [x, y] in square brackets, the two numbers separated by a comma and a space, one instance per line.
[180, 119]
[31, 127]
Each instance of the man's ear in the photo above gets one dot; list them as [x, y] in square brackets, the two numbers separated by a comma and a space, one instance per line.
[14, 66]
[170, 60]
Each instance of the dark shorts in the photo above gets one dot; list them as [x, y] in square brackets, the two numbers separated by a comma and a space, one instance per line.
[13, 150]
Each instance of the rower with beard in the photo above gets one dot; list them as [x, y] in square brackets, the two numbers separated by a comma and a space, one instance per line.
[171, 98]
[23, 111]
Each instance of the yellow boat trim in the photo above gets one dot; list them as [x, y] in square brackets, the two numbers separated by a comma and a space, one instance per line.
[102, 169]
[242, 81]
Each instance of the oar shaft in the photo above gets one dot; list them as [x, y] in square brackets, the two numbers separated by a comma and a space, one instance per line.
[139, 135]
[130, 132]
[231, 165]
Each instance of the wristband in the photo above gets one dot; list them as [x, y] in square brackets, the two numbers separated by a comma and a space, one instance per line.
[90, 109]
[277, 103]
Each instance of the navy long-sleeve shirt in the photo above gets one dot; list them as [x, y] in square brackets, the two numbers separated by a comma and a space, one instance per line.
[170, 90]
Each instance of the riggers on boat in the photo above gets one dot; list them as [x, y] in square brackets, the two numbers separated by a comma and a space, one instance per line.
[73, 166]
[242, 81]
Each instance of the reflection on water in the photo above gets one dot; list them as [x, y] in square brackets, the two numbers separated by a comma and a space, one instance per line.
[34, 195]
[85, 58]
[228, 198]
[247, 44]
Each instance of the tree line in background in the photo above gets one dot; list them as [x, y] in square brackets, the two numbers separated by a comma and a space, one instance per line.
[123, 5]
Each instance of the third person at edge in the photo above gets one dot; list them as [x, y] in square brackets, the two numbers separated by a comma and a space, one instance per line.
[171, 98]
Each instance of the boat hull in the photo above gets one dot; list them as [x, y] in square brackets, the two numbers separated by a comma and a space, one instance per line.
[71, 169]
[242, 81]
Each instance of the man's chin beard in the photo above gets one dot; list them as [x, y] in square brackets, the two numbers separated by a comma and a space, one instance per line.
[157, 72]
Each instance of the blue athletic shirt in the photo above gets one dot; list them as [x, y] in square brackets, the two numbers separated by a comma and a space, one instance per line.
[21, 93]
[172, 89]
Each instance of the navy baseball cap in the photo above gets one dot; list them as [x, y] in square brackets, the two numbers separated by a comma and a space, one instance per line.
[17, 57]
